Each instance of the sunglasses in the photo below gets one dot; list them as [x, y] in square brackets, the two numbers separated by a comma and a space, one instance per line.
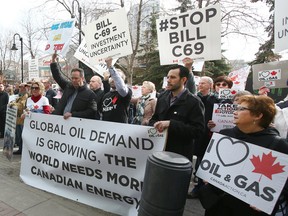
[35, 88]
[241, 108]
[221, 84]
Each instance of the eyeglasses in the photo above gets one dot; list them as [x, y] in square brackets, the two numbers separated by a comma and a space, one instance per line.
[35, 88]
[221, 84]
[241, 108]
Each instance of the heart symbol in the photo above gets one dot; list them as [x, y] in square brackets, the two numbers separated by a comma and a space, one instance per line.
[226, 91]
[238, 151]
[265, 73]
[107, 102]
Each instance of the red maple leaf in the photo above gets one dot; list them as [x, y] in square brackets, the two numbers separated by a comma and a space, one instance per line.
[114, 99]
[36, 106]
[233, 92]
[273, 73]
[266, 166]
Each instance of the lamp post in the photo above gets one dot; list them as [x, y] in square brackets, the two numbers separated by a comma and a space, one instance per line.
[80, 16]
[79, 23]
[15, 48]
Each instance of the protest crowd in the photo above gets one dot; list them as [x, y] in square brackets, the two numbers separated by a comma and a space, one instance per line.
[184, 108]
[207, 121]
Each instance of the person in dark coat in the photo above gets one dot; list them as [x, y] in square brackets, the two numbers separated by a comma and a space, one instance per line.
[180, 112]
[115, 102]
[50, 93]
[252, 118]
[95, 85]
[4, 99]
[77, 99]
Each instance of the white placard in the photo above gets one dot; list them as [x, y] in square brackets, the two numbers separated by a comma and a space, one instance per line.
[251, 173]
[33, 69]
[108, 36]
[227, 93]
[195, 34]
[281, 25]
[239, 78]
[9, 133]
[98, 163]
[223, 116]
[82, 55]
[60, 37]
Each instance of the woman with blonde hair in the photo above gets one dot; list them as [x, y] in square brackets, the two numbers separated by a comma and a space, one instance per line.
[37, 102]
[145, 105]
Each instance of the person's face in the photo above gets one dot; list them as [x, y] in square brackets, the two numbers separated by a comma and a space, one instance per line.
[204, 85]
[77, 80]
[94, 83]
[1, 87]
[35, 90]
[243, 115]
[174, 82]
[46, 85]
[221, 85]
[22, 89]
[145, 90]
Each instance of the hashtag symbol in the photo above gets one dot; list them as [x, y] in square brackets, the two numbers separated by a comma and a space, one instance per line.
[163, 25]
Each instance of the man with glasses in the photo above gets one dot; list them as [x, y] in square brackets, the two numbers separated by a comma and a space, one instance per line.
[77, 99]
[21, 105]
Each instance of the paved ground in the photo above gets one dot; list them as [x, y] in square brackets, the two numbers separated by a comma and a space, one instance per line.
[17, 198]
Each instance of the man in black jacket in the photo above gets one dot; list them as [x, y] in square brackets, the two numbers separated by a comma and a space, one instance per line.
[4, 99]
[95, 85]
[77, 99]
[179, 111]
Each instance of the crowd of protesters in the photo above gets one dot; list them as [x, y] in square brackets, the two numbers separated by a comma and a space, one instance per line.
[183, 108]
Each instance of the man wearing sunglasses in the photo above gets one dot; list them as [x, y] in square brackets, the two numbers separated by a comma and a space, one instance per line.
[77, 99]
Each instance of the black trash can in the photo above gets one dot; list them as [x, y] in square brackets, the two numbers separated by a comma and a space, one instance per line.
[166, 183]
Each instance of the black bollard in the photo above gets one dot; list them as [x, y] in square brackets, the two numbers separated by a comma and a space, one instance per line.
[166, 183]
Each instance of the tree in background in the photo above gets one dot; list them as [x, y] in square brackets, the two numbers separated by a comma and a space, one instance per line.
[265, 52]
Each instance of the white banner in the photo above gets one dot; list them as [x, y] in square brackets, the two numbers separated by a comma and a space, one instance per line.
[195, 34]
[82, 55]
[97, 163]
[281, 25]
[223, 116]
[251, 173]
[60, 37]
[108, 36]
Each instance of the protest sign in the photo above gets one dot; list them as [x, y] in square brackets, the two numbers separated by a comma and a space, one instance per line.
[281, 25]
[10, 129]
[271, 75]
[98, 163]
[195, 34]
[33, 69]
[60, 37]
[82, 55]
[223, 116]
[251, 173]
[239, 78]
[227, 93]
[108, 36]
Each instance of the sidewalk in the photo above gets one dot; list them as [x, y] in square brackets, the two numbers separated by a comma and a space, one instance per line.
[17, 198]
